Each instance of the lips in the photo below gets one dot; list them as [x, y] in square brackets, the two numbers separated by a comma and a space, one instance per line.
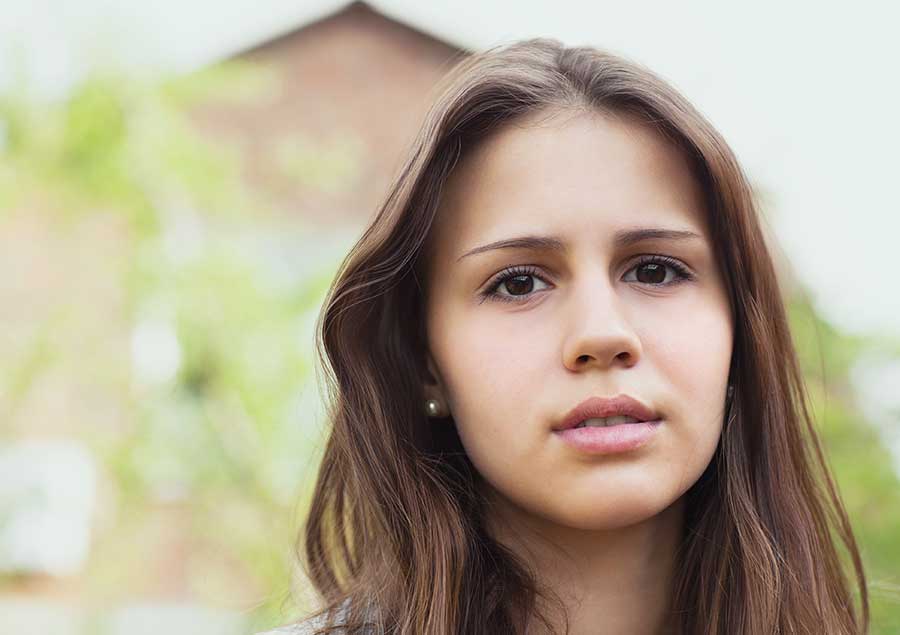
[600, 407]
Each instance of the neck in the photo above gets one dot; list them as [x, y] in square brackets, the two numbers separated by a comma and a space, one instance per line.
[610, 580]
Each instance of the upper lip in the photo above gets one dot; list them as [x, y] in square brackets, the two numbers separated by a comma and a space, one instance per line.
[600, 407]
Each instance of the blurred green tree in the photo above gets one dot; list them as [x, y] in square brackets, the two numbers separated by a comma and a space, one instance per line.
[213, 366]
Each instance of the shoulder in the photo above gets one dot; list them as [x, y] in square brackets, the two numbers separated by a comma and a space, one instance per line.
[309, 625]
[306, 627]
[295, 629]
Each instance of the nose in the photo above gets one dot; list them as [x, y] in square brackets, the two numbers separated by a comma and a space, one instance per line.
[600, 334]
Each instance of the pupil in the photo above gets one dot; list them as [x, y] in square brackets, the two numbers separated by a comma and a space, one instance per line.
[524, 287]
[656, 268]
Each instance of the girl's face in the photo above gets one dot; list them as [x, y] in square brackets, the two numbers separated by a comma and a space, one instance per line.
[582, 319]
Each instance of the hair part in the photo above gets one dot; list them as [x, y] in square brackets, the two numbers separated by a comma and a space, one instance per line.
[396, 532]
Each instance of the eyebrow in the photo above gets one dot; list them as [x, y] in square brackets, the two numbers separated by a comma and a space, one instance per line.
[621, 239]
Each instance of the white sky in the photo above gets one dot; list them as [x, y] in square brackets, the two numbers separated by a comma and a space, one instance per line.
[807, 94]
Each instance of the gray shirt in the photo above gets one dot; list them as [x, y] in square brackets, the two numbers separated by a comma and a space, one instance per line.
[309, 626]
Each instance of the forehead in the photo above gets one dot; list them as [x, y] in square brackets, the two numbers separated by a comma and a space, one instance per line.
[581, 175]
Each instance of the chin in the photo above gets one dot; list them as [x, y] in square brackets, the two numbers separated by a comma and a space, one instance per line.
[612, 515]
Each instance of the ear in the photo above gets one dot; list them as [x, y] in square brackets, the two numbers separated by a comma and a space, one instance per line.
[433, 385]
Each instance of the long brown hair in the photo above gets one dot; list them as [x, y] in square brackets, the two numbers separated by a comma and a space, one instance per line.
[396, 533]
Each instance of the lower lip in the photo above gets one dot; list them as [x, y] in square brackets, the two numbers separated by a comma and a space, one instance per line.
[610, 439]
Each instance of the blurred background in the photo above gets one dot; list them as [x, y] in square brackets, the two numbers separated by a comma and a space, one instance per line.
[179, 181]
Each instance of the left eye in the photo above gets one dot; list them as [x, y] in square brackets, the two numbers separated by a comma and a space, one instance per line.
[656, 265]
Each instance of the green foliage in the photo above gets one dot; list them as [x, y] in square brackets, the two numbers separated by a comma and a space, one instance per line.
[117, 144]
[219, 410]
[862, 466]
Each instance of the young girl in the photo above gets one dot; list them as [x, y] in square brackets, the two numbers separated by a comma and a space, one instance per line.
[564, 396]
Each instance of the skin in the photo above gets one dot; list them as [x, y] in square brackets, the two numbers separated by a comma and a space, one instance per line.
[599, 530]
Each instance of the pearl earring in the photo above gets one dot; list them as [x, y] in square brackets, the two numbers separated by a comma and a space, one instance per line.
[730, 393]
[432, 407]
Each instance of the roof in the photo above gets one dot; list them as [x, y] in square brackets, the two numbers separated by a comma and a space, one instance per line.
[307, 18]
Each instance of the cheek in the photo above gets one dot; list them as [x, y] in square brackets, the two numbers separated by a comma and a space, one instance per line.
[693, 353]
[493, 371]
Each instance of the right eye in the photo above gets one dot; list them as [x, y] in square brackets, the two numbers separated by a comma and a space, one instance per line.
[514, 280]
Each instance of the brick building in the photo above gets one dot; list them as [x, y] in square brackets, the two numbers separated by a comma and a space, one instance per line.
[349, 92]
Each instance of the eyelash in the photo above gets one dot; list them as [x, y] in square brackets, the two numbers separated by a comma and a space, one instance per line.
[682, 273]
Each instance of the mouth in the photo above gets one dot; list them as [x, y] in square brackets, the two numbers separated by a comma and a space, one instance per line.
[606, 422]
[607, 412]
